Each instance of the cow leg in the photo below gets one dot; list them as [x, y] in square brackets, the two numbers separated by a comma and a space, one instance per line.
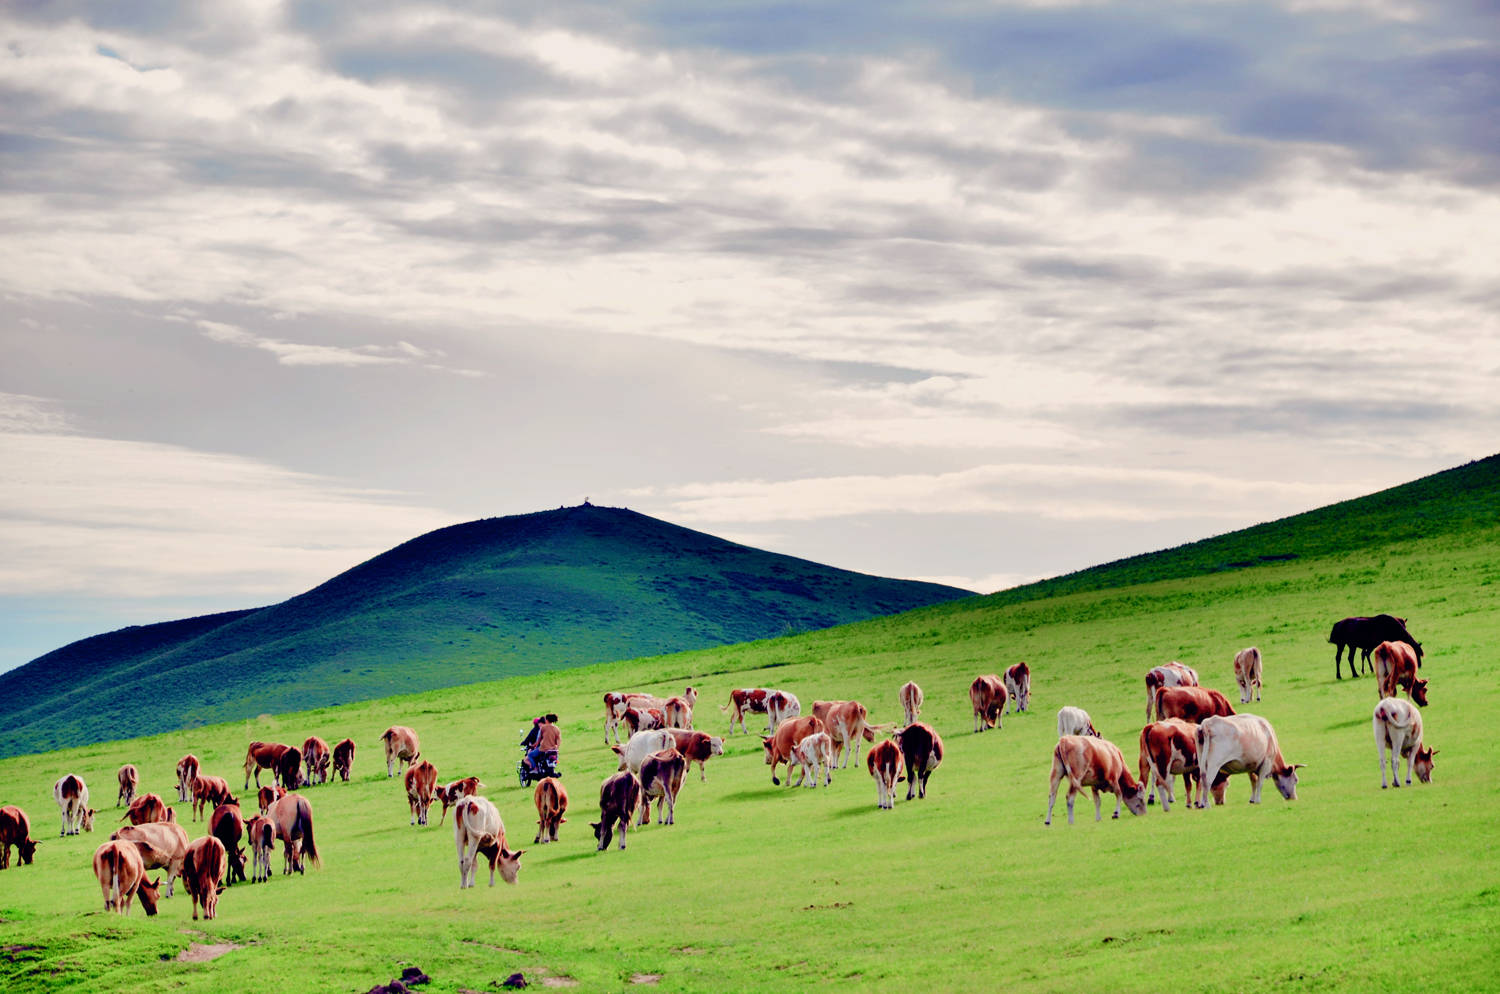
[1098, 808]
[1338, 654]
[1397, 740]
[1255, 779]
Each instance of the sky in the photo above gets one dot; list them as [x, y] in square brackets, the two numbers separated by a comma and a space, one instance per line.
[962, 291]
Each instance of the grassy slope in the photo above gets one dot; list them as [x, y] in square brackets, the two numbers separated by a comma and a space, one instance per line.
[476, 601]
[758, 888]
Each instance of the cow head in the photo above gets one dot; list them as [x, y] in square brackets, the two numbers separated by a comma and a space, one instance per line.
[767, 743]
[1091, 730]
[715, 746]
[1419, 692]
[603, 833]
[1421, 762]
[1134, 798]
[1286, 780]
[149, 893]
[27, 846]
[88, 814]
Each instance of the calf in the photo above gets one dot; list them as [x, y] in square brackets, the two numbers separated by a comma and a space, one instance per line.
[1018, 686]
[269, 795]
[781, 705]
[187, 772]
[227, 825]
[421, 781]
[1173, 674]
[210, 792]
[884, 762]
[1099, 765]
[260, 833]
[1398, 728]
[148, 808]
[661, 778]
[343, 758]
[315, 755]
[987, 695]
[551, 799]
[1075, 721]
[922, 751]
[809, 754]
[261, 756]
[619, 796]
[1170, 748]
[72, 797]
[697, 747]
[477, 829]
[780, 743]
[15, 830]
[202, 869]
[846, 723]
[1396, 668]
[1243, 743]
[292, 818]
[161, 844]
[1191, 703]
[122, 876]
[911, 701]
[401, 746]
[1247, 673]
[451, 792]
[129, 779]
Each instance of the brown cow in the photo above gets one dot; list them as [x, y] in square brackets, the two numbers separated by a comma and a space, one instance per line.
[289, 768]
[1097, 764]
[210, 792]
[450, 793]
[697, 747]
[1247, 673]
[1018, 686]
[639, 720]
[269, 795]
[421, 781]
[884, 762]
[122, 876]
[401, 746]
[148, 808]
[315, 756]
[162, 845]
[15, 830]
[551, 799]
[987, 695]
[845, 722]
[262, 756]
[661, 778]
[911, 701]
[619, 796]
[228, 826]
[922, 750]
[292, 817]
[187, 772]
[1191, 703]
[1169, 748]
[343, 758]
[1173, 674]
[202, 869]
[1396, 666]
[129, 779]
[779, 744]
[72, 797]
[260, 833]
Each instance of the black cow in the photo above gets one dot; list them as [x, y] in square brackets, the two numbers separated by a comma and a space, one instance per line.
[1365, 634]
[619, 796]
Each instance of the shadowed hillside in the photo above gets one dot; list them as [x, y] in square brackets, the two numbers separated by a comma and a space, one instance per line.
[476, 601]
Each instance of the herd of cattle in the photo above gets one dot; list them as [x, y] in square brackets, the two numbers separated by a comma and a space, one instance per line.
[1191, 731]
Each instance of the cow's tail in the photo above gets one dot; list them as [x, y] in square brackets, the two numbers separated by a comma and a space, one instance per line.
[1156, 700]
[309, 847]
[112, 863]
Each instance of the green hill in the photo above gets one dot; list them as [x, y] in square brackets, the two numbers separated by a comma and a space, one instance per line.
[476, 601]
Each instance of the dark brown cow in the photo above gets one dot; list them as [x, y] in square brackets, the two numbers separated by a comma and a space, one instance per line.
[289, 768]
[450, 793]
[208, 793]
[1365, 634]
[661, 778]
[697, 747]
[187, 772]
[1191, 703]
[228, 826]
[263, 756]
[551, 799]
[269, 795]
[15, 830]
[260, 833]
[780, 743]
[619, 796]
[316, 757]
[122, 876]
[987, 695]
[129, 779]
[202, 869]
[1098, 764]
[292, 817]
[421, 782]
[922, 750]
[884, 762]
[401, 746]
[1395, 669]
[343, 758]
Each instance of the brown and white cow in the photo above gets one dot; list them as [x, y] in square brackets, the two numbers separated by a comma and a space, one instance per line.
[551, 799]
[910, 696]
[677, 713]
[1173, 674]
[401, 746]
[1398, 728]
[292, 818]
[661, 779]
[202, 869]
[1191, 703]
[615, 703]
[72, 797]
[846, 723]
[162, 845]
[697, 747]
[343, 758]
[1243, 743]
[1018, 686]
[269, 795]
[1170, 748]
[450, 792]
[421, 782]
[478, 830]
[1075, 721]
[129, 779]
[619, 796]
[259, 756]
[15, 830]
[209, 793]
[779, 744]
[1396, 666]
[1247, 673]
[122, 876]
[922, 751]
[987, 695]
[187, 771]
[745, 700]
[316, 756]
[1099, 765]
[148, 808]
[260, 834]
[642, 720]
[228, 826]
[812, 752]
[884, 763]
[781, 705]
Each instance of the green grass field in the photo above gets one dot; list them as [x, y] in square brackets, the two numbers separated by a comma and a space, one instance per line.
[758, 888]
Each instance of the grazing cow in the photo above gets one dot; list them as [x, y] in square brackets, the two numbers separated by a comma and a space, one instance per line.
[1242, 743]
[619, 796]
[642, 744]
[1191, 703]
[72, 797]
[1247, 673]
[781, 705]
[421, 781]
[401, 746]
[15, 830]
[661, 778]
[1396, 668]
[451, 792]
[911, 701]
[551, 799]
[122, 876]
[846, 722]
[228, 826]
[1018, 686]
[343, 758]
[148, 808]
[292, 818]
[1365, 634]
[187, 772]
[884, 762]
[477, 829]
[987, 694]
[261, 756]
[697, 747]
[202, 869]
[129, 779]
[1075, 721]
[315, 754]
[1099, 765]
[1173, 674]
[780, 743]
[642, 720]
[162, 845]
[815, 750]
[1170, 748]
[269, 795]
[922, 751]
[209, 792]
[289, 768]
[677, 713]
[1398, 728]
[260, 833]
[743, 700]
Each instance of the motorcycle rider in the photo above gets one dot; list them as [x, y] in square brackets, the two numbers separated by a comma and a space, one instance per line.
[544, 737]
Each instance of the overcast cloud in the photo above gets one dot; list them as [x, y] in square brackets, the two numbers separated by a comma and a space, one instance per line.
[945, 290]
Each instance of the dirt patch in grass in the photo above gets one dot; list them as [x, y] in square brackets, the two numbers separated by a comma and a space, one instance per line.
[559, 982]
[645, 978]
[197, 952]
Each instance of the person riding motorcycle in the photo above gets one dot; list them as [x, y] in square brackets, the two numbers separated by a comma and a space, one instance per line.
[542, 740]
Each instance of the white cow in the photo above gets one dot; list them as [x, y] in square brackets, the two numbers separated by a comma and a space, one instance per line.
[1398, 727]
[1074, 721]
[1243, 743]
[72, 797]
[781, 705]
[808, 754]
[642, 744]
[1247, 673]
[477, 828]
